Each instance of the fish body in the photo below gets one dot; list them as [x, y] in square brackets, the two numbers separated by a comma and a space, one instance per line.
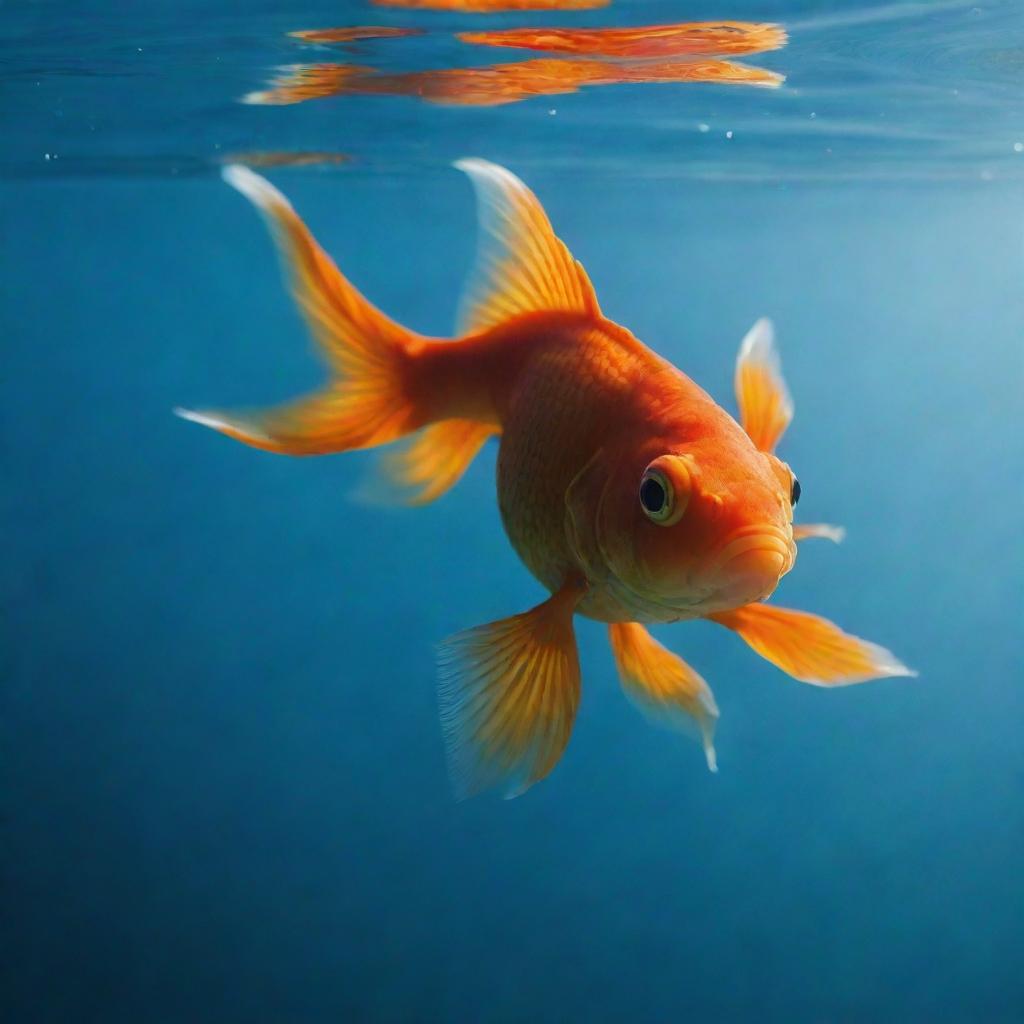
[582, 403]
[625, 489]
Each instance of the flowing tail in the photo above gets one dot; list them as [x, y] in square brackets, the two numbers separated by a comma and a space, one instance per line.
[378, 390]
[388, 381]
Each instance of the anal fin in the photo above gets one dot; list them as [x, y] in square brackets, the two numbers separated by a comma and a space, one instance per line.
[662, 684]
[509, 691]
[421, 468]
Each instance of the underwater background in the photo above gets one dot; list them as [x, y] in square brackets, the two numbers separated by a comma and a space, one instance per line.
[224, 794]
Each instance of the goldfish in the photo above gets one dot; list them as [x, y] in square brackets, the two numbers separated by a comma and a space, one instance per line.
[688, 39]
[497, 84]
[628, 493]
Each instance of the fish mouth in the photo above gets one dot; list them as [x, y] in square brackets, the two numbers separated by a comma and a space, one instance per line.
[751, 563]
[663, 608]
[746, 568]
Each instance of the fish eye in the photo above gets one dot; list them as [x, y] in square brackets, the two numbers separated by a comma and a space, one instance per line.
[794, 495]
[665, 490]
[655, 495]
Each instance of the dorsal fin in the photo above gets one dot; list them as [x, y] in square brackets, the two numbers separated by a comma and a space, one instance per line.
[761, 393]
[521, 265]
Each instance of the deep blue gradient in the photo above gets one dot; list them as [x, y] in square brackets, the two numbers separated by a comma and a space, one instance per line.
[224, 793]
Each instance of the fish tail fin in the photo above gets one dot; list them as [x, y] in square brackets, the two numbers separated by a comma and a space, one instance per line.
[389, 381]
[376, 392]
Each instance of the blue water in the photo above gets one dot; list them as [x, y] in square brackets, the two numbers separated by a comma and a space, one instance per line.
[224, 795]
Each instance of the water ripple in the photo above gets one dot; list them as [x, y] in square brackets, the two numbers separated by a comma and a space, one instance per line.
[874, 91]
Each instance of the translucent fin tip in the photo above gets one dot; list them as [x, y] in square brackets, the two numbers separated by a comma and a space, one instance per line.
[888, 666]
[256, 189]
[468, 164]
[237, 175]
[202, 418]
[822, 531]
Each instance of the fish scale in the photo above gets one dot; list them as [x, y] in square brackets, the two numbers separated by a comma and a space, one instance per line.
[550, 432]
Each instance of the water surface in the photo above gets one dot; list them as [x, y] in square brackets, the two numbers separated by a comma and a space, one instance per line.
[224, 793]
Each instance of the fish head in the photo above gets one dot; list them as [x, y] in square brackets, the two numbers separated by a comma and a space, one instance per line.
[698, 528]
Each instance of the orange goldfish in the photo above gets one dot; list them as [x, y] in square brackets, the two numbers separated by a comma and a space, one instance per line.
[629, 494]
[497, 84]
[689, 39]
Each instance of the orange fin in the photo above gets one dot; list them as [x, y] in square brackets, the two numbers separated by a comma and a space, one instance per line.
[421, 468]
[765, 406]
[811, 648]
[521, 266]
[367, 401]
[509, 692]
[662, 684]
[826, 531]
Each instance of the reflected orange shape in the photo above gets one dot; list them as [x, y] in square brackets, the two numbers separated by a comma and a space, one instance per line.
[281, 158]
[492, 6]
[689, 39]
[309, 82]
[496, 84]
[353, 34]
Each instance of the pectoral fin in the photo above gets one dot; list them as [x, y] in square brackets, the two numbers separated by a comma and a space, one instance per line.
[826, 531]
[810, 648]
[663, 685]
[761, 393]
[509, 692]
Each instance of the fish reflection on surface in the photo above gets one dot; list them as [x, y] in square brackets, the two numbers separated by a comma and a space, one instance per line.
[279, 158]
[496, 84]
[303, 82]
[352, 34]
[492, 6]
[689, 39]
